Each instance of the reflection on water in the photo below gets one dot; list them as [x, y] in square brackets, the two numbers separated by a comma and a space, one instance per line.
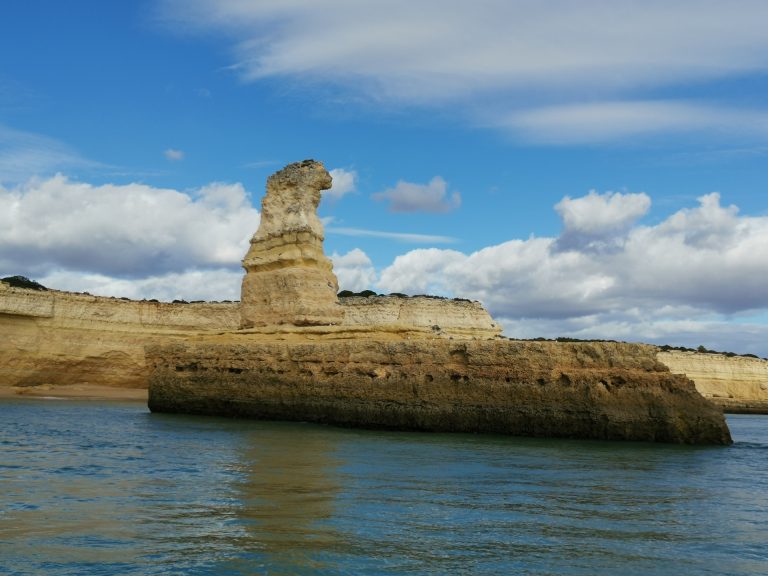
[90, 488]
[287, 493]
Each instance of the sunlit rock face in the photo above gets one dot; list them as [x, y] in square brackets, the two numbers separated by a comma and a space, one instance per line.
[288, 279]
[737, 383]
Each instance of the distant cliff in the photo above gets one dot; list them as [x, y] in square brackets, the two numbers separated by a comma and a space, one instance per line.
[52, 337]
[737, 383]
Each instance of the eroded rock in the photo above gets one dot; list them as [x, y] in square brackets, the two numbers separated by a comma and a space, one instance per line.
[288, 279]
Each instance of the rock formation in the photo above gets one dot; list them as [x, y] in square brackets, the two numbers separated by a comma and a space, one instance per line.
[291, 350]
[302, 356]
[606, 391]
[288, 279]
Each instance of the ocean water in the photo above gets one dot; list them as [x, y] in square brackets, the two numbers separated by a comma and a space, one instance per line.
[108, 488]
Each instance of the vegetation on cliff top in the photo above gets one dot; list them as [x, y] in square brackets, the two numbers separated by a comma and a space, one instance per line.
[703, 350]
[371, 293]
[22, 282]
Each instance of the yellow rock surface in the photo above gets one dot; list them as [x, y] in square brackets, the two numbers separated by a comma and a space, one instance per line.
[737, 383]
[61, 338]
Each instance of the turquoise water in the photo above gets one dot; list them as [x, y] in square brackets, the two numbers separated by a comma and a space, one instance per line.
[108, 488]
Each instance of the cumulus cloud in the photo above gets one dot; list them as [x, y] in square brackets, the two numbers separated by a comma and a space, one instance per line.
[344, 182]
[599, 221]
[558, 71]
[130, 232]
[354, 270]
[410, 197]
[698, 266]
[173, 155]
[209, 284]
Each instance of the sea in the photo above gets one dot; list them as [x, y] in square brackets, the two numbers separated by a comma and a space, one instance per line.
[99, 487]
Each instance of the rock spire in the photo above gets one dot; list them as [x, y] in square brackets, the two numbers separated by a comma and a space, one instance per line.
[288, 279]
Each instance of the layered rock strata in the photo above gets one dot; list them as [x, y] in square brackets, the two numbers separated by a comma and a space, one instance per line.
[61, 338]
[738, 384]
[606, 391]
[288, 279]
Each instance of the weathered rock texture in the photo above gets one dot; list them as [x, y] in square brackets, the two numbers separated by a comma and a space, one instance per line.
[62, 338]
[288, 279]
[583, 390]
[737, 383]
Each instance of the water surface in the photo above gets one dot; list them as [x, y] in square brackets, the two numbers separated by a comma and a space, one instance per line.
[108, 488]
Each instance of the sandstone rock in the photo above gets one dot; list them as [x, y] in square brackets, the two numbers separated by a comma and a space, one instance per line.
[608, 391]
[61, 338]
[288, 279]
[460, 318]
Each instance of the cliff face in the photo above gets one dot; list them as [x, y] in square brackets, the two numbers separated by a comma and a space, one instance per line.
[737, 383]
[585, 390]
[63, 338]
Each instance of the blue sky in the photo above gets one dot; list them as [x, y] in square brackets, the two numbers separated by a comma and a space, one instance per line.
[590, 169]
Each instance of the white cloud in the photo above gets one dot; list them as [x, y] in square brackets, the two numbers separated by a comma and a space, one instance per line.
[599, 122]
[173, 155]
[125, 231]
[354, 270]
[700, 265]
[556, 71]
[410, 197]
[599, 221]
[213, 284]
[344, 182]
[406, 237]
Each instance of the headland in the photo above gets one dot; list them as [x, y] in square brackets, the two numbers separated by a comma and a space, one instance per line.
[291, 349]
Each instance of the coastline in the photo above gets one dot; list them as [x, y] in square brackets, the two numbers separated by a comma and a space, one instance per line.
[74, 391]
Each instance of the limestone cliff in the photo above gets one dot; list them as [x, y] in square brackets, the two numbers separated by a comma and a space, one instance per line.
[586, 390]
[288, 279]
[442, 316]
[63, 338]
[737, 383]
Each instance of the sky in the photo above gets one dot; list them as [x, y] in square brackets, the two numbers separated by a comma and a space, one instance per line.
[590, 169]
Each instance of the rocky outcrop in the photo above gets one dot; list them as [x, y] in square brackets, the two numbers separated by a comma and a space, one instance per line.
[288, 279]
[61, 338]
[291, 350]
[605, 391]
[737, 383]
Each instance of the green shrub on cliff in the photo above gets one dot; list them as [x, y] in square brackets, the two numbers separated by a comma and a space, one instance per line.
[23, 282]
